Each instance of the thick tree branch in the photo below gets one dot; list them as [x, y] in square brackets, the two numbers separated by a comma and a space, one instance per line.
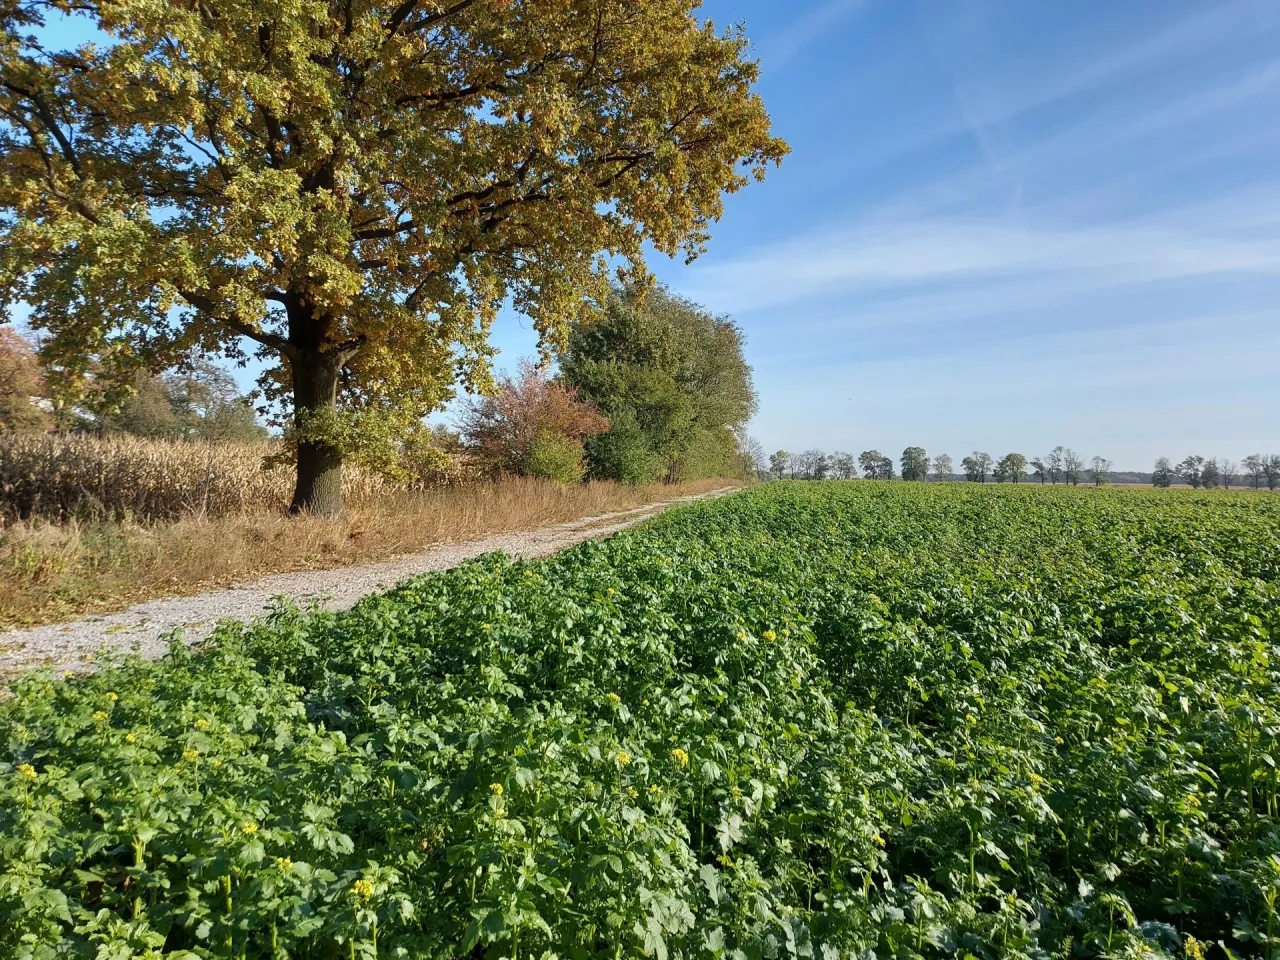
[208, 306]
[399, 15]
[385, 233]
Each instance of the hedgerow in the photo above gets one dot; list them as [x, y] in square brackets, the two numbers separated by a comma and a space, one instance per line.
[818, 720]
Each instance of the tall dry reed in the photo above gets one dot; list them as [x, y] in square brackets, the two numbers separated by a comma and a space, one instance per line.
[59, 477]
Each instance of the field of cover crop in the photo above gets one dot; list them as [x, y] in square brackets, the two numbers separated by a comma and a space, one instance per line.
[809, 720]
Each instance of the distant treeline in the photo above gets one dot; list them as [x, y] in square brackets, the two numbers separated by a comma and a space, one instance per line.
[1059, 465]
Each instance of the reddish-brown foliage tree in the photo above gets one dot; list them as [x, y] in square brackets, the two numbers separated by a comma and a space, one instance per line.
[21, 386]
[532, 425]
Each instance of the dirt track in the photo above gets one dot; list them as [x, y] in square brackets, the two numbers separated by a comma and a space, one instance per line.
[65, 646]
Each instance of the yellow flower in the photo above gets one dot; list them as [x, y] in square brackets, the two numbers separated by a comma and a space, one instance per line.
[742, 635]
[484, 626]
[99, 716]
[614, 698]
[680, 757]
[113, 697]
[877, 840]
[1059, 740]
[217, 763]
[202, 724]
[69, 674]
[654, 789]
[633, 792]
[362, 889]
[770, 635]
[623, 758]
[249, 827]
[495, 789]
[130, 738]
[1193, 949]
[191, 754]
[284, 863]
[612, 591]
[26, 771]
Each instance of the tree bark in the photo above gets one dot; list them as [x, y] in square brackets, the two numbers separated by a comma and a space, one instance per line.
[318, 489]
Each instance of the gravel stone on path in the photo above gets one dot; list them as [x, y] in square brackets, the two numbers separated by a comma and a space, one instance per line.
[65, 646]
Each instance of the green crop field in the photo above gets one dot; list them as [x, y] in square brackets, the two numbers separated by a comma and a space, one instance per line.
[812, 720]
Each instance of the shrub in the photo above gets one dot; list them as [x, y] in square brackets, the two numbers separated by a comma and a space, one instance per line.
[531, 417]
[554, 456]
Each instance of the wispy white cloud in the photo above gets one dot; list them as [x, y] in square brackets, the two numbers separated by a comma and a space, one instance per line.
[960, 253]
[808, 28]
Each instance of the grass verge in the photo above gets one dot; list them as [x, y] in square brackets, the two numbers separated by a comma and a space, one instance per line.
[57, 571]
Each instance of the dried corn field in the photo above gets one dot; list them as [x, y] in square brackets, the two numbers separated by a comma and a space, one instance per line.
[59, 477]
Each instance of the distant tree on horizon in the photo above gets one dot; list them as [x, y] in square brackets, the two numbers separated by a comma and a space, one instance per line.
[1072, 467]
[844, 466]
[778, 463]
[1191, 470]
[1012, 468]
[1055, 461]
[875, 465]
[976, 466]
[1230, 472]
[1255, 469]
[21, 384]
[1041, 469]
[942, 467]
[1211, 475]
[1163, 475]
[1271, 471]
[1101, 471]
[915, 464]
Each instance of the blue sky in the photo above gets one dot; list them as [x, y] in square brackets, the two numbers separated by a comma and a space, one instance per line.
[1008, 225]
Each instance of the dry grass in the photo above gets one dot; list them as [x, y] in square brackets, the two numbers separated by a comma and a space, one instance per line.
[55, 571]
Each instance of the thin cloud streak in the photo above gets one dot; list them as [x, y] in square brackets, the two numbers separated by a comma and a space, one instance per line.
[941, 251]
[808, 29]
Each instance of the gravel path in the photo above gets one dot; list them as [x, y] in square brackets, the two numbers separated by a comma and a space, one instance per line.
[65, 646]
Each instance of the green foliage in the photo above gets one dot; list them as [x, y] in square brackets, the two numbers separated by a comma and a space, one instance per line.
[624, 453]
[915, 464]
[976, 466]
[875, 465]
[810, 720]
[357, 188]
[553, 456]
[1011, 468]
[198, 401]
[672, 379]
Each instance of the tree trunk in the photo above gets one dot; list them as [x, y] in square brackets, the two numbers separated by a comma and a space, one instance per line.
[315, 392]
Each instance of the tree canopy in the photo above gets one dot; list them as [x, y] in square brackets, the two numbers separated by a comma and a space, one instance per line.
[355, 186]
[533, 426]
[671, 378]
[915, 464]
[21, 385]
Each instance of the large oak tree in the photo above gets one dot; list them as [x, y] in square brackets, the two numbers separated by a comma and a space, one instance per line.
[356, 186]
